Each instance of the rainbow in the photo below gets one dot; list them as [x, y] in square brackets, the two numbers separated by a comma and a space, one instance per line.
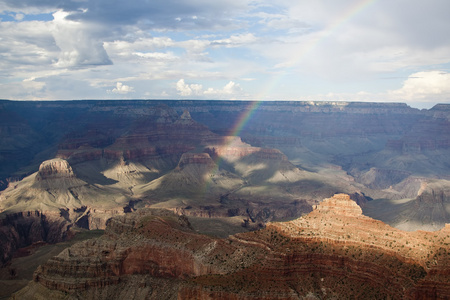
[245, 117]
[235, 131]
[314, 41]
[332, 27]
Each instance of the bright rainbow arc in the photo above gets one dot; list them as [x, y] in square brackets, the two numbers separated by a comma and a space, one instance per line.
[313, 43]
[236, 130]
[245, 117]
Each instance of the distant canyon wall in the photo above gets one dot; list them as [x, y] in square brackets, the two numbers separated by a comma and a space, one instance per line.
[32, 131]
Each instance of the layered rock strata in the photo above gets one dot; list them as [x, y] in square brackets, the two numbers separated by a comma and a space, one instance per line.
[333, 252]
[167, 136]
[328, 137]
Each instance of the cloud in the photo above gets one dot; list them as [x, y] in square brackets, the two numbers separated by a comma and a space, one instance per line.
[188, 89]
[426, 86]
[235, 40]
[26, 44]
[279, 21]
[25, 90]
[156, 55]
[342, 43]
[155, 14]
[289, 49]
[19, 17]
[78, 42]
[122, 89]
[230, 90]
[28, 6]
[141, 43]
[421, 89]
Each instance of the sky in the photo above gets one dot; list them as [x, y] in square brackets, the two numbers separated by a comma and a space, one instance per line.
[333, 50]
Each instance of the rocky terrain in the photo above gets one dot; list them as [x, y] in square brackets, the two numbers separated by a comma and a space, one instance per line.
[333, 252]
[66, 165]
[346, 134]
[164, 160]
[76, 164]
[428, 209]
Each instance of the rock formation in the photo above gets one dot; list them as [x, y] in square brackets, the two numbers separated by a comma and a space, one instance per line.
[45, 205]
[366, 140]
[82, 162]
[333, 252]
[427, 209]
[340, 204]
[21, 229]
[56, 174]
[302, 130]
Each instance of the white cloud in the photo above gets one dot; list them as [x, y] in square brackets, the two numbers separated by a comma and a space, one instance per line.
[229, 91]
[342, 43]
[188, 89]
[195, 49]
[140, 44]
[281, 21]
[122, 89]
[19, 17]
[235, 40]
[156, 55]
[78, 42]
[25, 90]
[230, 88]
[25, 45]
[426, 86]
[421, 89]
[150, 15]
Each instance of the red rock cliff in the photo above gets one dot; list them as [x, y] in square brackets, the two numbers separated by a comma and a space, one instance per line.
[334, 251]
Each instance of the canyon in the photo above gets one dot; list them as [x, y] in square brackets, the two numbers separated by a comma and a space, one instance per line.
[226, 168]
[333, 252]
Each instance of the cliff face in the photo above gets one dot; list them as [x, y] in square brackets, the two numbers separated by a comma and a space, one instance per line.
[45, 205]
[428, 206]
[428, 134]
[291, 126]
[334, 251]
[379, 144]
[26, 228]
[54, 169]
